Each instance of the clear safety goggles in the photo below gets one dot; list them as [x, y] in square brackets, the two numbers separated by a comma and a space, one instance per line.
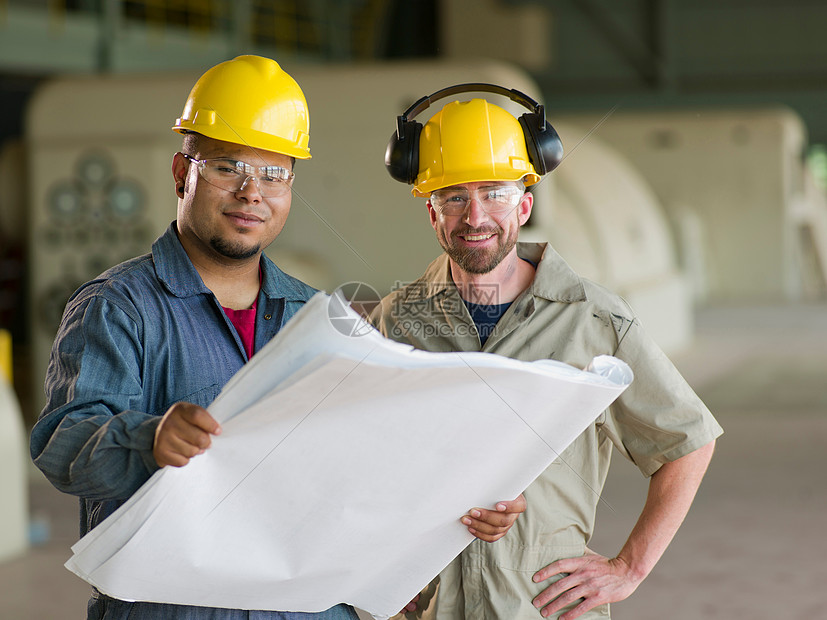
[233, 175]
[493, 199]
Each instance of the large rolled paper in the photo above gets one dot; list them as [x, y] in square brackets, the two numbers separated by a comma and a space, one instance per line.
[344, 465]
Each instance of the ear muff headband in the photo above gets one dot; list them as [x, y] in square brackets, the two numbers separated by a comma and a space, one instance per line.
[545, 150]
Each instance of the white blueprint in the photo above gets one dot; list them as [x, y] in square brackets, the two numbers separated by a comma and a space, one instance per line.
[341, 473]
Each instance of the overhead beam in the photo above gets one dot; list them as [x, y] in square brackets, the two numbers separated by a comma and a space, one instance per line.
[638, 55]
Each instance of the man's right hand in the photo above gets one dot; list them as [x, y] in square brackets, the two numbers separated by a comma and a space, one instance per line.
[185, 431]
[491, 525]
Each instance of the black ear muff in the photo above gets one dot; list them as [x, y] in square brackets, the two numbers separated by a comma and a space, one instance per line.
[545, 149]
[402, 154]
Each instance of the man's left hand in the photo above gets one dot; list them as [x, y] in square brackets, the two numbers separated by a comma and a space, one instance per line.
[592, 579]
[491, 525]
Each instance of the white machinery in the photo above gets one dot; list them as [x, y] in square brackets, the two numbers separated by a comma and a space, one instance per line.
[734, 185]
[14, 510]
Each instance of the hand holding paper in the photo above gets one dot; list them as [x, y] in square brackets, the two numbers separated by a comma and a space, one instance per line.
[184, 432]
[491, 525]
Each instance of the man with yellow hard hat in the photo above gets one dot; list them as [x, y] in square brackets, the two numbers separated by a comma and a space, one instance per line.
[488, 292]
[147, 345]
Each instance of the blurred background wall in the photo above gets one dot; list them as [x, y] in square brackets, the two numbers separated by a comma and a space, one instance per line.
[696, 145]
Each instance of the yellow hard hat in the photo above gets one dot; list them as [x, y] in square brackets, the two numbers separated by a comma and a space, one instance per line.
[470, 141]
[249, 100]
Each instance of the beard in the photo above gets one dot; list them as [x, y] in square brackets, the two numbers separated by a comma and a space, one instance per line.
[233, 250]
[477, 260]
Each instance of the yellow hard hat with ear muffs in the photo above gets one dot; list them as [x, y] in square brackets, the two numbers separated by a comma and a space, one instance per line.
[472, 141]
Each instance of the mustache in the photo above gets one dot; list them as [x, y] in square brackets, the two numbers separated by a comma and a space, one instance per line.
[469, 230]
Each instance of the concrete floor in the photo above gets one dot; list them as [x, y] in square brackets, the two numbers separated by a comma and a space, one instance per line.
[753, 545]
